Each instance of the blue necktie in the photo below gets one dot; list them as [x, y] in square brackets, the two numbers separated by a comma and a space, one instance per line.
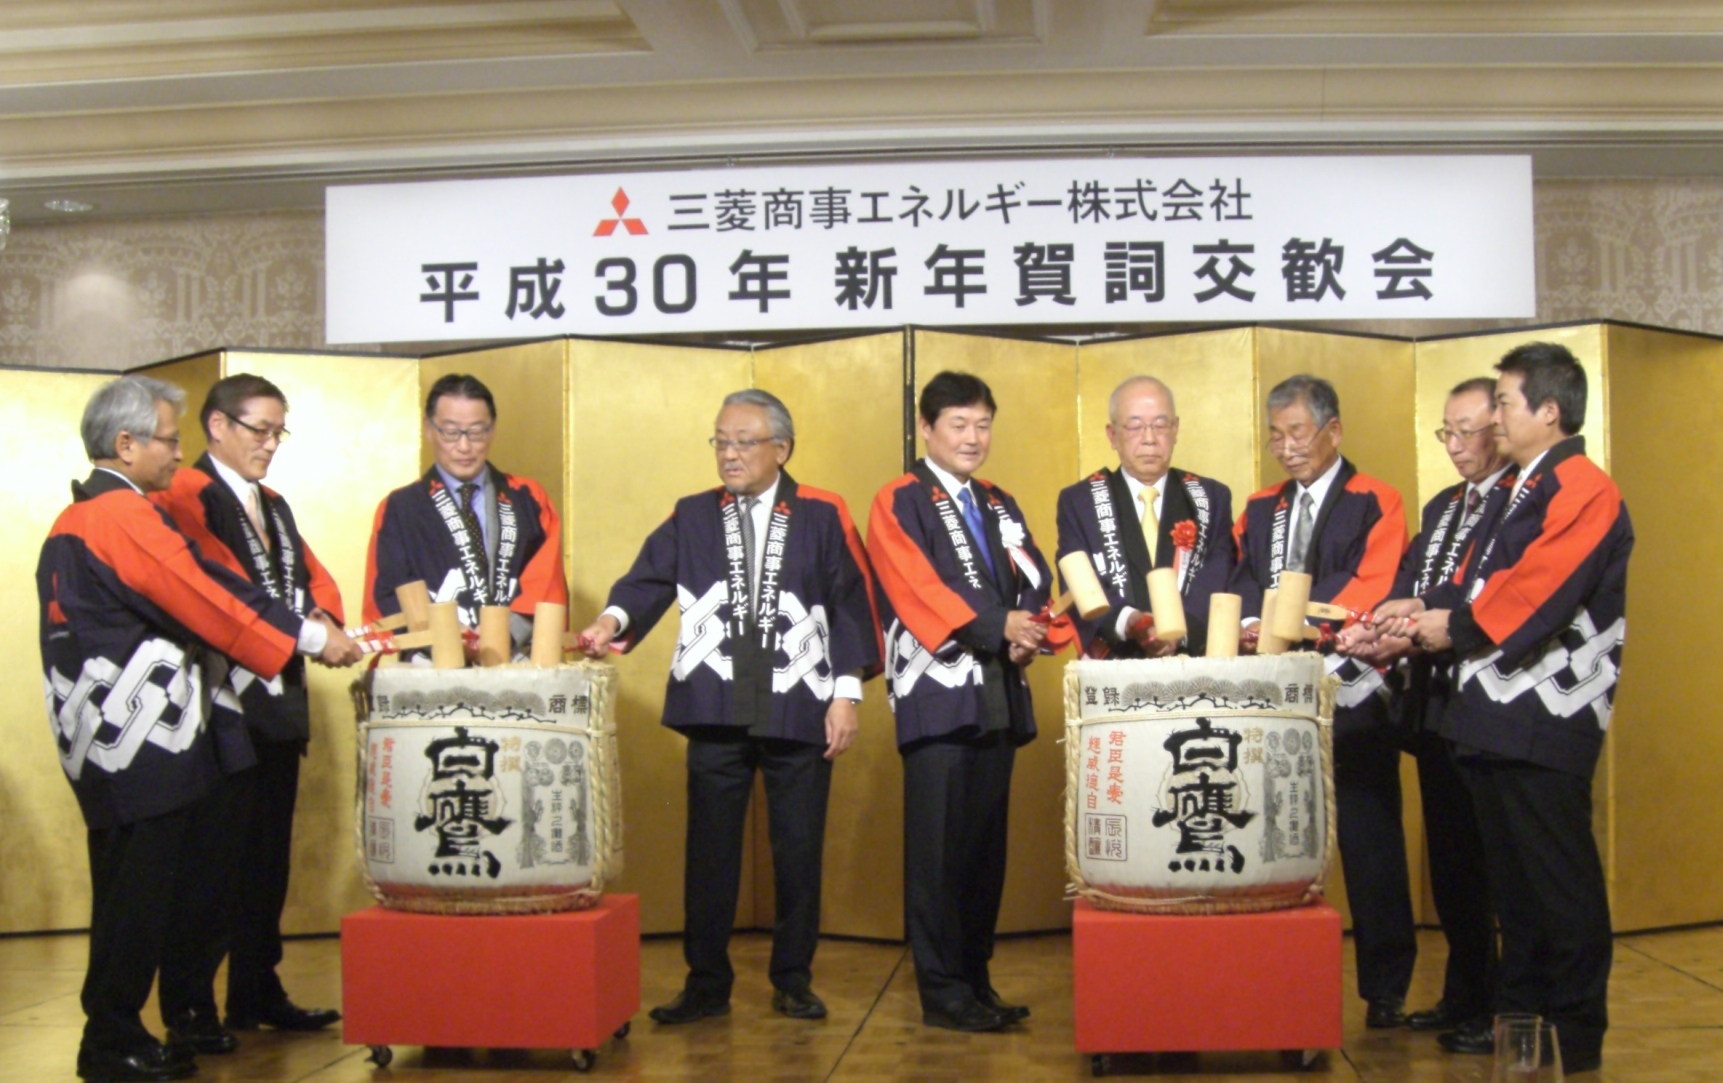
[972, 516]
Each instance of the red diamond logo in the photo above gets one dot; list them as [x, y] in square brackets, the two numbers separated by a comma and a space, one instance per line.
[634, 226]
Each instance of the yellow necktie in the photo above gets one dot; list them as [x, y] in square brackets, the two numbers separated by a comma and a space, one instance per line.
[1151, 522]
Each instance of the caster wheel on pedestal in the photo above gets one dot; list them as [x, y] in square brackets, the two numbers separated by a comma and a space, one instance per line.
[584, 1059]
[381, 1055]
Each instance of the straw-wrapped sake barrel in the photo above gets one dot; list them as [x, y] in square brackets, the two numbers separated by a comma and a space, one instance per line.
[1198, 785]
[489, 791]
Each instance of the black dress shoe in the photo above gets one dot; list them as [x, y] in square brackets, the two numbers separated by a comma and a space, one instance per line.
[1576, 1061]
[1476, 1035]
[689, 1006]
[283, 1015]
[802, 1004]
[1444, 1016]
[989, 997]
[151, 1064]
[199, 1032]
[968, 1015]
[1384, 1015]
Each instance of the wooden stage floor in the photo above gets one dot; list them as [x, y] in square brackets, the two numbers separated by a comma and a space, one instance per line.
[1666, 1001]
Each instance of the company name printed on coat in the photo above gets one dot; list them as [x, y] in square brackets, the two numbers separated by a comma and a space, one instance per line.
[947, 243]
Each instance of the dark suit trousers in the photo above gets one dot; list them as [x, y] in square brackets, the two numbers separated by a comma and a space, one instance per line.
[132, 871]
[720, 783]
[1373, 849]
[203, 900]
[1547, 883]
[956, 808]
[266, 855]
[1459, 879]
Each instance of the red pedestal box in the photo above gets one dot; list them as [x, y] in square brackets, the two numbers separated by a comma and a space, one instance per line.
[542, 981]
[1150, 983]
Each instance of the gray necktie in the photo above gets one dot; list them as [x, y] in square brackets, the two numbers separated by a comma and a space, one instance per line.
[746, 507]
[1300, 546]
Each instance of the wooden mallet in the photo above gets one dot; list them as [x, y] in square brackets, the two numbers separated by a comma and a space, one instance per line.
[1082, 587]
[414, 616]
[1293, 605]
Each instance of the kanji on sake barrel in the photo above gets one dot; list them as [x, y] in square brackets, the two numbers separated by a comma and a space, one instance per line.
[1199, 785]
[489, 791]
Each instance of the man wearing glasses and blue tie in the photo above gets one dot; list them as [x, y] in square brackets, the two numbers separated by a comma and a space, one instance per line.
[471, 533]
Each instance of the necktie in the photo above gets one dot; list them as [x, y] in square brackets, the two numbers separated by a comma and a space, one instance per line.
[1471, 502]
[254, 512]
[746, 507]
[972, 516]
[1301, 534]
[464, 501]
[1151, 522]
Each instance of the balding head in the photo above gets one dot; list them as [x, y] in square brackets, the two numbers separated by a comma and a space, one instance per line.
[1143, 427]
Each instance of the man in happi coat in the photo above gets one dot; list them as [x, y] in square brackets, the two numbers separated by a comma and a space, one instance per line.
[1535, 618]
[777, 634]
[222, 505]
[1347, 530]
[1142, 516]
[1421, 684]
[130, 609]
[473, 534]
[964, 589]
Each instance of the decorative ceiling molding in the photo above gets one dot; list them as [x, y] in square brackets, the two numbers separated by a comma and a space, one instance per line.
[1301, 17]
[815, 24]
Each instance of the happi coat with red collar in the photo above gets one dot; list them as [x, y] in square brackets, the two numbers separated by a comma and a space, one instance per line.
[418, 535]
[1097, 516]
[813, 620]
[947, 670]
[128, 605]
[1357, 539]
[1539, 616]
[208, 512]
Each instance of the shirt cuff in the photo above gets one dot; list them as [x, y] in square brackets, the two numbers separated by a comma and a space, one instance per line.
[1121, 627]
[313, 637]
[849, 686]
[621, 618]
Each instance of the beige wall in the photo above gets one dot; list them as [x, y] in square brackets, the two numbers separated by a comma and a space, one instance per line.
[116, 294]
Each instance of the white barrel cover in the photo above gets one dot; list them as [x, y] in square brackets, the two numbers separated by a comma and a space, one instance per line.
[485, 790]
[1196, 784]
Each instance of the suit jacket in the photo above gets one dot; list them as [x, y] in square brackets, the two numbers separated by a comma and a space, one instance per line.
[1539, 630]
[1123, 566]
[947, 669]
[206, 510]
[128, 605]
[1356, 543]
[822, 618]
[411, 540]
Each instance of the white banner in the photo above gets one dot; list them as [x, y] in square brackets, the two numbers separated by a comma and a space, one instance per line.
[938, 243]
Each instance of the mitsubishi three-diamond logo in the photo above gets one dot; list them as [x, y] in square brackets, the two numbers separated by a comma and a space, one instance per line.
[634, 226]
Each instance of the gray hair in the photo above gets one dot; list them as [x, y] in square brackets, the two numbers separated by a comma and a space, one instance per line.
[1136, 381]
[127, 404]
[1317, 395]
[777, 414]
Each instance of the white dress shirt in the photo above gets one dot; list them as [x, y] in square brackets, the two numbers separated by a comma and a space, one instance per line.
[313, 636]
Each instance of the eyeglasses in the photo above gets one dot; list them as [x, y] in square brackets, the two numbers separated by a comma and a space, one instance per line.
[1444, 435]
[721, 445]
[1294, 443]
[1136, 427]
[477, 434]
[263, 434]
[170, 441]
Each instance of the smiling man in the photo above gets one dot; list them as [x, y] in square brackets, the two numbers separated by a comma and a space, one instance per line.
[1146, 515]
[964, 584]
[471, 533]
[777, 633]
[222, 504]
[1347, 531]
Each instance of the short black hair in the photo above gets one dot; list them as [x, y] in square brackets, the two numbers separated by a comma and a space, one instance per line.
[952, 391]
[1486, 384]
[1551, 373]
[461, 386]
[229, 395]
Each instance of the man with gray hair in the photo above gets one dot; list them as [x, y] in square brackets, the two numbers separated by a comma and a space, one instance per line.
[1346, 530]
[129, 606]
[778, 631]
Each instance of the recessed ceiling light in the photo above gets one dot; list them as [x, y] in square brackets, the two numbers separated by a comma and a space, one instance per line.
[69, 206]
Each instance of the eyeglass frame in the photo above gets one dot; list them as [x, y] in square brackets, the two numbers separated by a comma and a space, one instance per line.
[1444, 434]
[263, 435]
[721, 444]
[1136, 428]
[477, 435]
[1302, 446]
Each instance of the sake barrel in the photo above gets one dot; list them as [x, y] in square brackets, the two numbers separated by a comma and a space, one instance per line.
[489, 791]
[1199, 785]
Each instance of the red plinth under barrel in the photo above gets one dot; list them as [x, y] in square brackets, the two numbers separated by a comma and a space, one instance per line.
[542, 981]
[1151, 983]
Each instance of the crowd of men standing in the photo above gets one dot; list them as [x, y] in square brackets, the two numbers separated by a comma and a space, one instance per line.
[178, 606]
